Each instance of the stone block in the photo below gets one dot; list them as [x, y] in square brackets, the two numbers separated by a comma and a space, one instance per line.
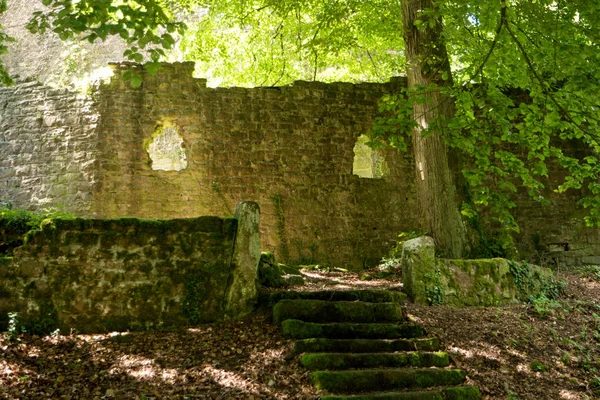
[418, 260]
[242, 294]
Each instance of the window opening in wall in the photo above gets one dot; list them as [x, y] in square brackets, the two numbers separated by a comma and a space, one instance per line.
[368, 163]
[166, 149]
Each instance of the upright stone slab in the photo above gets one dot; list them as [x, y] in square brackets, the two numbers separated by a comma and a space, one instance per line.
[242, 292]
[418, 259]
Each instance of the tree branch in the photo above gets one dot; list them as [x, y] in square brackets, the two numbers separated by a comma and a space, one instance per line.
[540, 80]
[496, 38]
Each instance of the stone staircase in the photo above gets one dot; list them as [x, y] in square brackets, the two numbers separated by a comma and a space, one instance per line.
[361, 346]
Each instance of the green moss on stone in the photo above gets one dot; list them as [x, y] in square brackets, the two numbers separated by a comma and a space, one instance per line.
[364, 345]
[369, 296]
[338, 311]
[270, 275]
[462, 393]
[334, 361]
[429, 395]
[356, 381]
[297, 329]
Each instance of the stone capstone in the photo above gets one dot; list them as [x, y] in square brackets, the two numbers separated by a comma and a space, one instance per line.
[418, 260]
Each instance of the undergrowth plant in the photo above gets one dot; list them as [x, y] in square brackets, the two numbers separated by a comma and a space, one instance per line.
[15, 223]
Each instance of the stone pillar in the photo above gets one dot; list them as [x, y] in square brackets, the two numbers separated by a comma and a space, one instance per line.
[241, 293]
[418, 260]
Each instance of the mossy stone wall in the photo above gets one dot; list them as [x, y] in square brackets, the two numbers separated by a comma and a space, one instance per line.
[482, 282]
[105, 275]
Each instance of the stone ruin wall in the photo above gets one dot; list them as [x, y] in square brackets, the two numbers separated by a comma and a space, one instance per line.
[49, 148]
[288, 148]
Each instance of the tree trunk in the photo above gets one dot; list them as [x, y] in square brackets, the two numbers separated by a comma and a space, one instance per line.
[427, 60]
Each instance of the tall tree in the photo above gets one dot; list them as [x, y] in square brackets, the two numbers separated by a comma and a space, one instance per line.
[428, 66]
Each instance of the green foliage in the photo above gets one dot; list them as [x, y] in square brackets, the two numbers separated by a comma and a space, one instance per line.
[256, 43]
[15, 326]
[433, 288]
[543, 295]
[543, 306]
[16, 223]
[595, 384]
[45, 323]
[537, 366]
[147, 26]
[522, 86]
[593, 271]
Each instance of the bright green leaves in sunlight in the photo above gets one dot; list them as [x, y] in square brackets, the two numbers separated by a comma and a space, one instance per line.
[147, 26]
[527, 99]
[262, 43]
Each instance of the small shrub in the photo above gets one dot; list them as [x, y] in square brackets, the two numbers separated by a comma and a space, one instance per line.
[537, 366]
[544, 306]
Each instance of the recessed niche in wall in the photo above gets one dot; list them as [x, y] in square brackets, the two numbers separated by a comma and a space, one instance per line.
[166, 149]
[368, 163]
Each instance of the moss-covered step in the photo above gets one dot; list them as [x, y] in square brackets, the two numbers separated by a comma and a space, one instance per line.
[453, 393]
[337, 311]
[369, 296]
[296, 329]
[320, 345]
[337, 361]
[369, 380]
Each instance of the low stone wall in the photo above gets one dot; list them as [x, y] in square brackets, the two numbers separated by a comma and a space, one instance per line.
[105, 275]
[482, 282]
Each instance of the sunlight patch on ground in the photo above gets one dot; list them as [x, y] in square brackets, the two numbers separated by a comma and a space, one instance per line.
[524, 368]
[348, 281]
[487, 351]
[229, 379]
[8, 369]
[569, 395]
[136, 366]
[199, 330]
[267, 356]
[515, 353]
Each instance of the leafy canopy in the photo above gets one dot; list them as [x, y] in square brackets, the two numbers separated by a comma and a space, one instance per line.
[257, 43]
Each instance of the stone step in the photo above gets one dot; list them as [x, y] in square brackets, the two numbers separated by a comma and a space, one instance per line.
[296, 329]
[320, 345]
[453, 393]
[338, 361]
[369, 296]
[337, 311]
[369, 380]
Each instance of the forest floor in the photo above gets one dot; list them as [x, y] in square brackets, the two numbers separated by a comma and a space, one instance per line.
[543, 350]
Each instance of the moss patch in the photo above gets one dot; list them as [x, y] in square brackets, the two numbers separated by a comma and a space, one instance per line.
[364, 345]
[335, 361]
[338, 311]
[297, 329]
[356, 381]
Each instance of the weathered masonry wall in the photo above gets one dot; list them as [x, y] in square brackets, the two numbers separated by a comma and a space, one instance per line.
[104, 275]
[49, 147]
[291, 149]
